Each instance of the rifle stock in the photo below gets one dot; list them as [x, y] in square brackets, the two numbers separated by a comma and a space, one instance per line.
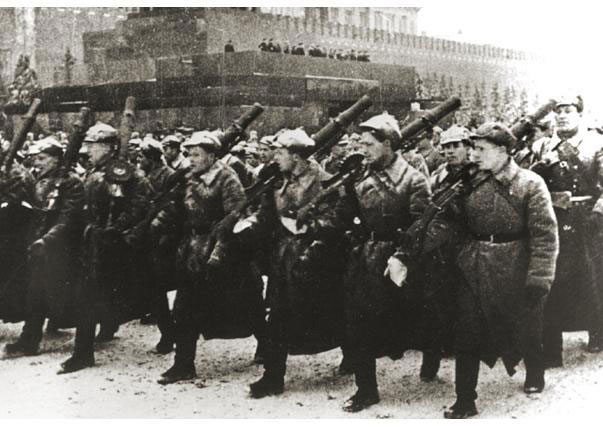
[21, 134]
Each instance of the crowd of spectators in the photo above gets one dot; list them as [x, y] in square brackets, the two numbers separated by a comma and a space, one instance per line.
[314, 50]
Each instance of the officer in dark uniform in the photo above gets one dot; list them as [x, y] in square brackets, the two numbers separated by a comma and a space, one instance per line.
[53, 260]
[306, 264]
[570, 163]
[110, 291]
[389, 197]
[507, 259]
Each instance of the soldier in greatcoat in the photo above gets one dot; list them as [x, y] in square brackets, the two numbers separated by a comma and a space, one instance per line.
[305, 264]
[218, 296]
[17, 198]
[158, 255]
[53, 256]
[390, 196]
[571, 163]
[111, 290]
[507, 259]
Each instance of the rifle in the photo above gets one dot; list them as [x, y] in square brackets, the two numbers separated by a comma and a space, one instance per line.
[119, 170]
[427, 121]
[7, 159]
[325, 139]
[329, 135]
[237, 128]
[178, 178]
[525, 125]
[454, 185]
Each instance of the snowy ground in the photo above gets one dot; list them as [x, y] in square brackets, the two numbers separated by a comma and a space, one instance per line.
[123, 384]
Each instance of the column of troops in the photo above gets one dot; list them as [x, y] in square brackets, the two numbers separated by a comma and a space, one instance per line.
[481, 244]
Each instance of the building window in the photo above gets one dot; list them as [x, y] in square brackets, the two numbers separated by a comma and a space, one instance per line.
[335, 14]
[364, 19]
[349, 17]
[378, 21]
[404, 24]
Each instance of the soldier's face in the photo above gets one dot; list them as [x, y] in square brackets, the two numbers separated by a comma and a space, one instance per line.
[284, 159]
[567, 118]
[44, 162]
[456, 153]
[488, 156]
[373, 150]
[200, 158]
[96, 151]
[171, 153]
[265, 154]
[252, 160]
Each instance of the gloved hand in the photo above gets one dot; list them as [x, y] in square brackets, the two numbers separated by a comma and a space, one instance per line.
[533, 294]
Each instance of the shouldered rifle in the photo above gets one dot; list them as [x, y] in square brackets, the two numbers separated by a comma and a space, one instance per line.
[525, 125]
[329, 135]
[349, 171]
[78, 133]
[325, 139]
[237, 127]
[118, 169]
[20, 136]
[455, 184]
[178, 178]
[427, 121]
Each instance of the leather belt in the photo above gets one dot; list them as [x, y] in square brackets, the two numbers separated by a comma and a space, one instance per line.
[500, 238]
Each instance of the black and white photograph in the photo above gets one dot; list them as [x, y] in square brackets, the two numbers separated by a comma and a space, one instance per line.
[318, 211]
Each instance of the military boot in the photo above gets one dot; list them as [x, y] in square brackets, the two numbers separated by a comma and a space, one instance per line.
[266, 386]
[25, 347]
[461, 410]
[177, 373]
[361, 400]
[76, 363]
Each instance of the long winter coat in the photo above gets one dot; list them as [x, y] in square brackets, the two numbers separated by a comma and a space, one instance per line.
[304, 289]
[223, 301]
[55, 275]
[495, 319]
[16, 225]
[377, 312]
[576, 298]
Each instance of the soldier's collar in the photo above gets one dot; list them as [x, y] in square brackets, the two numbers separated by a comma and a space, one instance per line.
[397, 168]
[574, 140]
[302, 169]
[210, 175]
[506, 174]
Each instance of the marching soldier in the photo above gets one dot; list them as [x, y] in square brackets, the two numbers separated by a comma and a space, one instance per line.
[173, 153]
[508, 263]
[158, 256]
[17, 196]
[441, 275]
[339, 151]
[456, 146]
[305, 271]
[389, 197]
[217, 296]
[110, 291]
[571, 164]
[53, 260]
[236, 160]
